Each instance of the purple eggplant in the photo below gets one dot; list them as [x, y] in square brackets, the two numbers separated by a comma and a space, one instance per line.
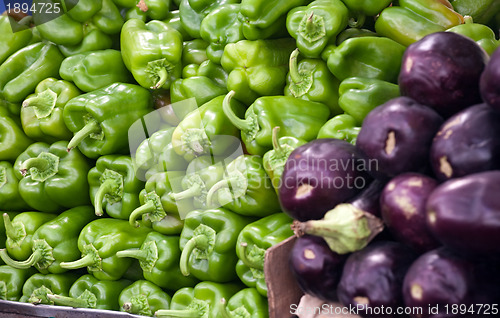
[316, 268]
[464, 214]
[442, 71]
[319, 175]
[437, 280]
[468, 142]
[368, 200]
[488, 84]
[404, 212]
[397, 136]
[373, 277]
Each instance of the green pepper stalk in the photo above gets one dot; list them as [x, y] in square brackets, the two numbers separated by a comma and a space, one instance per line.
[143, 298]
[159, 257]
[54, 241]
[89, 292]
[342, 127]
[12, 281]
[38, 286]
[247, 302]
[13, 140]
[10, 198]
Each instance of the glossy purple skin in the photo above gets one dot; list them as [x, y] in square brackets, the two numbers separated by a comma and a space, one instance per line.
[316, 267]
[488, 84]
[368, 200]
[319, 175]
[374, 276]
[397, 135]
[464, 214]
[438, 277]
[404, 211]
[468, 142]
[442, 71]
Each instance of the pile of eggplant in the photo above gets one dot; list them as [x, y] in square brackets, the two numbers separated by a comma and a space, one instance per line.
[416, 220]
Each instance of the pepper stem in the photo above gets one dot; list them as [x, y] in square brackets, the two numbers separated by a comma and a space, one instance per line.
[357, 21]
[468, 19]
[223, 308]
[172, 313]
[105, 188]
[68, 301]
[193, 191]
[216, 187]
[10, 230]
[276, 144]
[163, 76]
[31, 261]
[198, 241]
[148, 207]
[43, 103]
[3, 176]
[248, 262]
[139, 254]
[294, 70]
[239, 123]
[41, 164]
[87, 260]
[91, 127]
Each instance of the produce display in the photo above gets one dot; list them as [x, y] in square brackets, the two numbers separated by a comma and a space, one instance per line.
[153, 151]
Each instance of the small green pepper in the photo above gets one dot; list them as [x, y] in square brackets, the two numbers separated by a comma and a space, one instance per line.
[252, 244]
[152, 52]
[12, 40]
[143, 298]
[13, 140]
[12, 281]
[152, 9]
[10, 198]
[482, 34]
[343, 127]
[93, 40]
[114, 187]
[194, 52]
[192, 12]
[352, 33]
[38, 286]
[100, 240]
[173, 20]
[248, 302]
[42, 112]
[89, 292]
[52, 179]
[360, 9]
[159, 258]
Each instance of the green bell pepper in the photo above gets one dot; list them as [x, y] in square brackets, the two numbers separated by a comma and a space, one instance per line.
[205, 82]
[351, 33]
[10, 198]
[274, 160]
[194, 52]
[360, 9]
[247, 302]
[173, 20]
[95, 69]
[42, 112]
[100, 119]
[23, 70]
[358, 96]
[36, 288]
[12, 281]
[100, 240]
[296, 117]
[143, 298]
[207, 299]
[159, 258]
[257, 68]
[11, 41]
[13, 140]
[51, 178]
[316, 25]
[370, 57]
[158, 207]
[207, 130]
[220, 27]
[152, 52]
[482, 11]
[343, 127]
[207, 241]
[192, 12]
[89, 292]
[93, 40]
[54, 242]
[310, 79]
[152, 9]
[252, 244]
[114, 187]
[244, 188]
[482, 34]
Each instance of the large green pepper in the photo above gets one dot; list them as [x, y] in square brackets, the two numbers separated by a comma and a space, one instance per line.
[295, 117]
[207, 241]
[52, 179]
[152, 52]
[247, 302]
[207, 130]
[482, 11]
[244, 188]
[482, 34]
[143, 298]
[89, 292]
[100, 240]
[13, 140]
[55, 241]
[371, 57]
[343, 127]
[100, 119]
[194, 52]
[12, 40]
[95, 69]
[42, 112]
[252, 244]
[10, 198]
[274, 160]
[12, 281]
[192, 12]
[206, 299]
[159, 258]
[93, 40]
[114, 187]
[358, 95]
[220, 27]
[23, 70]
[316, 25]
[36, 288]
[310, 79]
[257, 68]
